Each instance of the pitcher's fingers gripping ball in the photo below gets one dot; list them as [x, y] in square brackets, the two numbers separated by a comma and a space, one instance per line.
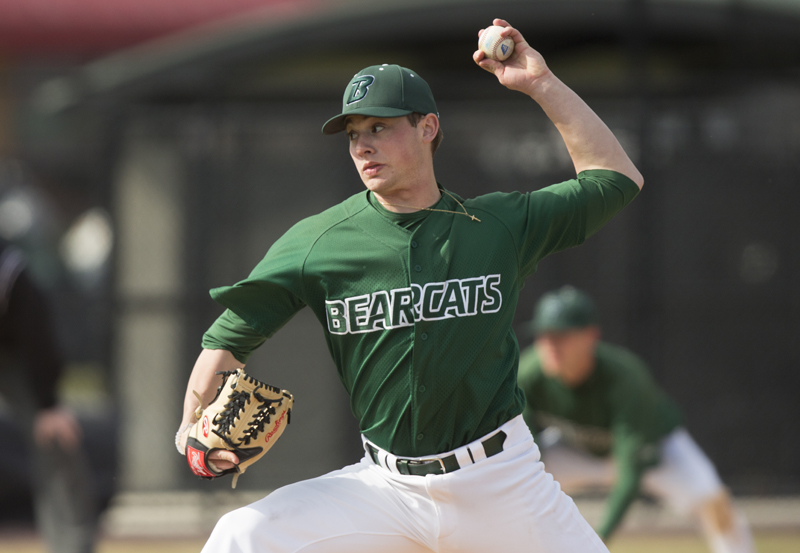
[246, 417]
[494, 45]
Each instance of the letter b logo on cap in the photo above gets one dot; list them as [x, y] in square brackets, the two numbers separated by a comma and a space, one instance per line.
[359, 88]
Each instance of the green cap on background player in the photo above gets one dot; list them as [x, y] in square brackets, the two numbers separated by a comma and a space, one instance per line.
[383, 91]
[563, 309]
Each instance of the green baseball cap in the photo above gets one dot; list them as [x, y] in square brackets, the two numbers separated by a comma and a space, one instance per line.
[563, 309]
[383, 91]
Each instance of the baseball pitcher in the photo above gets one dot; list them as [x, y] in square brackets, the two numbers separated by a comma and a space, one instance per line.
[416, 288]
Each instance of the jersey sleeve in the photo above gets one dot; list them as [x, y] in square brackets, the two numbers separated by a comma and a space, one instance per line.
[564, 215]
[634, 403]
[268, 298]
[230, 332]
[627, 457]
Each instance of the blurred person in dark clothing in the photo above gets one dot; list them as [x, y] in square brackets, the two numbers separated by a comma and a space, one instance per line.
[30, 366]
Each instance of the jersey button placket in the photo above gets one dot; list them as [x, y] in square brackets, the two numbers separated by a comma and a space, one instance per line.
[413, 256]
[418, 261]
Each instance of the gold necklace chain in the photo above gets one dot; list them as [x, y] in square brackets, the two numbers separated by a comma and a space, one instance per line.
[440, 210]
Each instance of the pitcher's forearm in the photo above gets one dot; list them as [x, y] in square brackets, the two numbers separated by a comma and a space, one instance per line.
[204, 379]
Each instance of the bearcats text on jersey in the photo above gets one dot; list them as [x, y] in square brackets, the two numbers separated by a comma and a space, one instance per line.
[386, 309]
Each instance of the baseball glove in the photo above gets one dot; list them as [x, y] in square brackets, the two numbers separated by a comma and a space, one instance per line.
[246, 417]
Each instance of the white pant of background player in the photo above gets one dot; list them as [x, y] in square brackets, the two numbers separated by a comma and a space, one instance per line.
[504, 503]
[685, 480]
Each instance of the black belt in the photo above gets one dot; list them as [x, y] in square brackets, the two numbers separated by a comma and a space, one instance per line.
[439, 465]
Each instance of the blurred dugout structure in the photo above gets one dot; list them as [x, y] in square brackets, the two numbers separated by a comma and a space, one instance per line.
[205, 146]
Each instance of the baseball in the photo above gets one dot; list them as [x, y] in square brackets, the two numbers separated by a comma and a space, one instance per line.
[493, 45]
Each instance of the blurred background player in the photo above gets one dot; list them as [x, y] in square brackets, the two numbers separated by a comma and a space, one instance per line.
[602, 422]
[30, 366]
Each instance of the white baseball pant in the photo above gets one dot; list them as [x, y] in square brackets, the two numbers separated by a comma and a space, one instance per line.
[505, 503]
[684, 480]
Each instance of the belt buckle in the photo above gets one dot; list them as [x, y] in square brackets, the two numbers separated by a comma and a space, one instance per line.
[431, 459]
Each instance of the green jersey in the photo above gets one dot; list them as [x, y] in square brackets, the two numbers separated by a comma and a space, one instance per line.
[618, 410]
[417, 308]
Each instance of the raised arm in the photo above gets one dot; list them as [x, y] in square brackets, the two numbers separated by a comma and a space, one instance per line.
[590, 143]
